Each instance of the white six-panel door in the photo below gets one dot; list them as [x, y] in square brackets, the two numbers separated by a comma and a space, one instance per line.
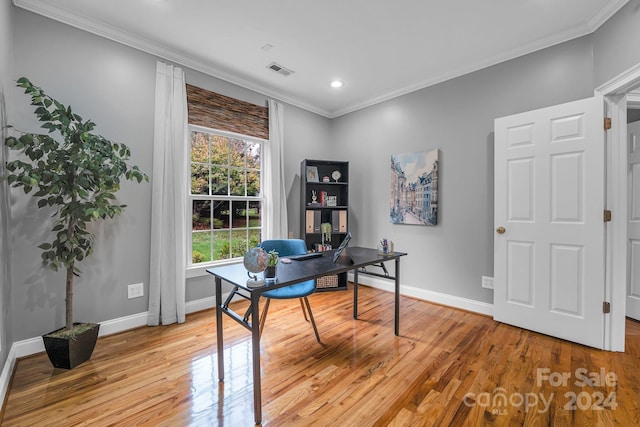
[633, 229]
[549, 243]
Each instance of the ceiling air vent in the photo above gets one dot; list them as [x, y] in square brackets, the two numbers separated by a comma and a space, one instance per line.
[279, 69]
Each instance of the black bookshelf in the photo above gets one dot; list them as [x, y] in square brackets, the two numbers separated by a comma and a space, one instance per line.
[324, 199]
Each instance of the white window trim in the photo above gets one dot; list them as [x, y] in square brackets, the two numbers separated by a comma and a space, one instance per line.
[200, 270]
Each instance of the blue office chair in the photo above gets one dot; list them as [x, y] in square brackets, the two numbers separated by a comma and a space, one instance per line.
[300, 290]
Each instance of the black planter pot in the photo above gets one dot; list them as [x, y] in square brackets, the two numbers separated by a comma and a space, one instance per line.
[270, 273]
[67, 353]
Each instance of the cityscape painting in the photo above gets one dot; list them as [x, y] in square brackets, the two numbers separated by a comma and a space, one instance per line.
[414, 188]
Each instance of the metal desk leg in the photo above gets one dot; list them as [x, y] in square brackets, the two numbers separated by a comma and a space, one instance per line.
[355, 293]
[219, 338]
[397, 302]
[255, 349]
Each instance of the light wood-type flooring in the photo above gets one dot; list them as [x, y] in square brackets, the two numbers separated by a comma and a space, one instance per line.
[449, 367]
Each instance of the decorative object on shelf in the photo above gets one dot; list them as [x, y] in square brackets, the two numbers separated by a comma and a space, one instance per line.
[326, 282]
[312, 174]
[385, 247]
[77, 179]
[336, 175]
[323, 198]
[255, 261]
[325, 179]
[414, 190]
[272, 264]
[320, 247]
[314, 197]
[325, 228]
[332, 201]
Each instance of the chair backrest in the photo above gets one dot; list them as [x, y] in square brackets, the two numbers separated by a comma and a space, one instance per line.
[285, 247]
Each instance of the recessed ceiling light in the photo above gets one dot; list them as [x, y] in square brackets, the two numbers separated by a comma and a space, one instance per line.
[336, 84]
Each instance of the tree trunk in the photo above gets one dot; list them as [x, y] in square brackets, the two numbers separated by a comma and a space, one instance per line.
[69, 299]
[69, 294]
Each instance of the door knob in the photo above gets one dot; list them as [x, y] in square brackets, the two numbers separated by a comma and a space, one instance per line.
[500, 230]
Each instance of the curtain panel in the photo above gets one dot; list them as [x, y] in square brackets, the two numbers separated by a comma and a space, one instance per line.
[169, 201]
[275, 199]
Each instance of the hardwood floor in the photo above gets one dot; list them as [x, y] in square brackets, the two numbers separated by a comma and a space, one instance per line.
[448, 367]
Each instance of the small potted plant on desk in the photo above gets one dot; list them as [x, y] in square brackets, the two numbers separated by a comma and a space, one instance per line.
[77, 179]
[272, 262]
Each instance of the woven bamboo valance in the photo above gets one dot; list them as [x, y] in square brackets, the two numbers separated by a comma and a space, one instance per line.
[212, 110]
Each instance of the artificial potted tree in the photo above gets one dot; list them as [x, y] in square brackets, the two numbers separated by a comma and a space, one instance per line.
[76, 174]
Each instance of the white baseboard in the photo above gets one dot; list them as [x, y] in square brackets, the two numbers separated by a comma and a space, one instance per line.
[34, 345]
[426, 295]
[7, 372]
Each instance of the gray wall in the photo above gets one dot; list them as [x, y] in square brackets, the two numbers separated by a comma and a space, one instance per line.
[617, 44]
[114, 86]
[455, 117]
[6, 72]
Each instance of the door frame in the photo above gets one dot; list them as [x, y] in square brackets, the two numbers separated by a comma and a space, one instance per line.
[615, 95]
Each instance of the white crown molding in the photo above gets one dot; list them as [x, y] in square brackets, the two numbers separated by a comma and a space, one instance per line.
[107, 31]
[570, 34]
[605, 13]
[620, 84]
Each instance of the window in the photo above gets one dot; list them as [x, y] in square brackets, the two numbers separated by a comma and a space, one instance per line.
[225, 194]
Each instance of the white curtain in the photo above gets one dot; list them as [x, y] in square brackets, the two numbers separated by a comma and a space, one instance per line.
[275, 199]
[169, 201]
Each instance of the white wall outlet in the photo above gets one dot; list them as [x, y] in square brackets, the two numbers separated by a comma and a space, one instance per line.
[487, 282]
[136, 290]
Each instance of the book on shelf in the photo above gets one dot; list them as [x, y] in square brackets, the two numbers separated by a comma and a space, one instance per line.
[319, 247]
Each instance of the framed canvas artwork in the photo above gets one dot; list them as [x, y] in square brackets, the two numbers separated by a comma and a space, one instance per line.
[414, 188]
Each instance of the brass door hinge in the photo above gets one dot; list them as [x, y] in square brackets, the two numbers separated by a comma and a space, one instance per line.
[607, 215]
[606, 307]
[607, 123]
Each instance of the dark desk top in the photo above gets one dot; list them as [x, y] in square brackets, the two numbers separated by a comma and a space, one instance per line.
[300, 271]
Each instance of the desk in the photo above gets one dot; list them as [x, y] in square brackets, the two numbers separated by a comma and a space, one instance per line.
[289, 274]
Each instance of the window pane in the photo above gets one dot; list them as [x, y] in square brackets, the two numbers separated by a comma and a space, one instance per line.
[239, 214]
[201, 215]
[221, 214]
[199, 147]
[201, 246]
[254, 238]
[237, 153]
[219, 181]
[253, 183]
[254, 214]
[239, 242]
[237, 182]
[219, 150]
[199, 179]
[221, 247]
[253, 155]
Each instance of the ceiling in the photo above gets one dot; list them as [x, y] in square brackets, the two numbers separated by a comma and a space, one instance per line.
[379, 48]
